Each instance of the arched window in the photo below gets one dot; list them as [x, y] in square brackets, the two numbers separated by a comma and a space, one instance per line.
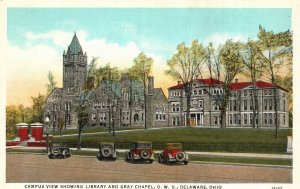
[136, 117]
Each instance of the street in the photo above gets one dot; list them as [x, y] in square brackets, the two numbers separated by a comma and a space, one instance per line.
[27, 168]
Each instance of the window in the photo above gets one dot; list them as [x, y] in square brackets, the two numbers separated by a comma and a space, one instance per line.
[270, 92]
[283, 105]
[93, 116]
[251, 118]
[201, 104]
[67, 105]
[230, 105]
[230, 119]
[235, 118]
[216, 120]
[216, 107]
[245, 104]
[239, 118]
[234, 105]
[175, 106]
[251, 104]
[69, 119]
[125, 96]
[54, 118]
[195, 92]
[270, 104]
[266, 104]
[200, 92]
[245, 119]
[245, 93]
[270, 119]
[266, 118]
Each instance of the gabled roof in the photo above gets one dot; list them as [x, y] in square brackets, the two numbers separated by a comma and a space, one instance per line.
[157, 91]
[85, 95]
[74, 47]
[259, 84]
[233, 86]
[208, 81]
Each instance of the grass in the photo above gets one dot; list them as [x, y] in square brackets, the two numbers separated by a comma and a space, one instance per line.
[221, 140]
[204, 158]
[91, 130]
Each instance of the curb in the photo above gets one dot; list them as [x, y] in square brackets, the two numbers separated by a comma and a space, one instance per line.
[193, 162]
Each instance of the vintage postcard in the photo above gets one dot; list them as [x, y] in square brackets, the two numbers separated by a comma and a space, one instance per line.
[149, 95]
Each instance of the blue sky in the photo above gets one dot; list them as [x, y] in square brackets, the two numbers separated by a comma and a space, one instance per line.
[37, 38]
[162, 26]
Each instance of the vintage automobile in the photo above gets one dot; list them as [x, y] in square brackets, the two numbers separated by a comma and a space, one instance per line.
[140, 151]
[107, 151]
[173, 153]
[58, 150]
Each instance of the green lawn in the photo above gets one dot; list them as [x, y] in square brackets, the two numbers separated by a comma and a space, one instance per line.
[222, 140]
[91, 130]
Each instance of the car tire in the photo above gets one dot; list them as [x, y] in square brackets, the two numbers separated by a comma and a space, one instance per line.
[106, 152]
[158, 159]
[150, 161]
[185, 162]
[145, 154]
[50, 156]
[180, 156]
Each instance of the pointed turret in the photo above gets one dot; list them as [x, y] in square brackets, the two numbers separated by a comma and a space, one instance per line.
[74, 47]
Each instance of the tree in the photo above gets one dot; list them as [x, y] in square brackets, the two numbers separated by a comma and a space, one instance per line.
[224, 65]
[274, 49]
[253, 69]
[140, 71]
[61, 123]
[185, 66]
[12, 118]
[52, 83]
[37, 108]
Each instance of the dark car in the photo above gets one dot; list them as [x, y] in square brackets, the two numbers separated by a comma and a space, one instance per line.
[173, 152]
[107, 150]
[140, 151]
[59, 150]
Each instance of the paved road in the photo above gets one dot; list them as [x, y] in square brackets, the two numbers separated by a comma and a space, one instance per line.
[38, 168]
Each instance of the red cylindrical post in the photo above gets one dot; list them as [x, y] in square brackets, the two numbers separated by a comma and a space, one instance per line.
[37, 131]
[22, 131]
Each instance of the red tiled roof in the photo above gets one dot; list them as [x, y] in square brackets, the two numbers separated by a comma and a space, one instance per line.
[233, 86]
[260, 84]
[209, 81]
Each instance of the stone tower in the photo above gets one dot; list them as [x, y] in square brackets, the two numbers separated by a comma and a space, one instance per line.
[74, 68]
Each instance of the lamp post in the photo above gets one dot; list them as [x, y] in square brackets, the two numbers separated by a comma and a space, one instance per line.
[47, 133]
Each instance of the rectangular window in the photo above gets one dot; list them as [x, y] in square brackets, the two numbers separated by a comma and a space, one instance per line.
[245, 104]
[245, 119]
[270, 104]
[283, 119]
[201, 104]
[266, 119]
[230, 105]
[283, 105]
[270, 119]
[251, 104]
[216, 120]
[251, 118]
[235, 118]
[220, 120]
[266, 104]
[234, 105]
[230, 119]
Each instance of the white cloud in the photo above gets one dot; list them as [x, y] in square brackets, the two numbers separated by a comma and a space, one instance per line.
[218, 39]
[27, 67]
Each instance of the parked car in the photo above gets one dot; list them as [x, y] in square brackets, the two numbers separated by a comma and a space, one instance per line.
[107, 150]
[140, 151]
[59, 150]
[173, 153]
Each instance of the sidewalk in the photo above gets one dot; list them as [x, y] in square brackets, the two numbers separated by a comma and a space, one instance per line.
[250, 155]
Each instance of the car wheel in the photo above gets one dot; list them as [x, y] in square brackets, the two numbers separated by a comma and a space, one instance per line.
[145, 154]
[50, 156]
[159, 160]
[186, 162]
[150, 161]
[106, 152]
[180, 156]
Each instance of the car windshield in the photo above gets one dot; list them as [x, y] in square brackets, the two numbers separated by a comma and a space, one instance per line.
[175, 146]
[144, 145]
[59, 144]
[106, 145]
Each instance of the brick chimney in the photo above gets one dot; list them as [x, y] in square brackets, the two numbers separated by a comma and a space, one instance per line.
[236, 80]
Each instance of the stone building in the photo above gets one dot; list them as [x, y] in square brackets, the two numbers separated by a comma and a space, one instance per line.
[122, 101]
[205, 109]
[61, 102]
